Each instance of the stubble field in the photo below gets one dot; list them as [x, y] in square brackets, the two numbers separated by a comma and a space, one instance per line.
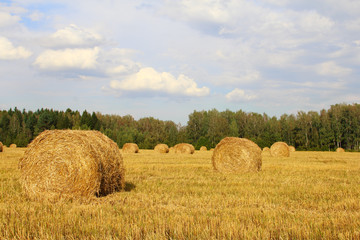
[310, 195]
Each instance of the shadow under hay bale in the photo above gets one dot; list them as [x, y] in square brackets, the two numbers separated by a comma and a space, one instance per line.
[234, 154]
[161, 148]
[279, 149]
[340, 150]
[185, 148]
[130, 148]
[71, 164]
[1, 147]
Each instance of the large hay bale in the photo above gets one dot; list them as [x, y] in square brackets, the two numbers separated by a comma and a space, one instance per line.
[203, 148]
[184, 148]
[71, 164]
[12, 145]
[340, 150]
[292, 149]
[161, 148]
[1, 147]
[234, 154]
[279, 149]
[130, 148]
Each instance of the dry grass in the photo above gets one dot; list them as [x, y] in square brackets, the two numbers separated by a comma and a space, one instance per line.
[71, 164]
[310, 195]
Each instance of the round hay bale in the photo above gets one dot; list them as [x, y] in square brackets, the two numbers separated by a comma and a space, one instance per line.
[1, 147]
[340, 150]
[12, 145]
[71, 164]
[161, 148]
[130, 148]
[292, 149]
[203, 148]
[234, 154]
[184, 148]
[266, 149]
[279, 149]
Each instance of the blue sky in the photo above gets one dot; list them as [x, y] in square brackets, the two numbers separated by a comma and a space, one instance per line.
[167, 58]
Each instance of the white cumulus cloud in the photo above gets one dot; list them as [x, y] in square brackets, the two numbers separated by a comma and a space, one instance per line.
[239, 95]
[68, 59]
[9, 52]
[6, 19]
[73, 36]
[148, 79]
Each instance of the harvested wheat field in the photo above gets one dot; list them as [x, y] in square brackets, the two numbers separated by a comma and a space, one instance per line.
[309, 195]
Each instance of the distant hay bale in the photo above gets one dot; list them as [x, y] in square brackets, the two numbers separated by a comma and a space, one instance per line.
[292, 149]
[340, 150]
[203, 148]
[1, 147]
[171, 150]
[130, 148]
[234, 154]
[184, 148]
[266, 149]
[161, 148]
[12, 145]
[71, 164]
[279, 149]
[212, 149]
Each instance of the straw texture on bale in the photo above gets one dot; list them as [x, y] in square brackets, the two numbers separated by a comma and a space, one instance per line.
[340, 149]
[130, 148]
[12, 145]
[1, 147]
[234, 154]
[184, 148]
[71, 164]
[292, 149]
[279, 149]
[161, 148]
[203, 148]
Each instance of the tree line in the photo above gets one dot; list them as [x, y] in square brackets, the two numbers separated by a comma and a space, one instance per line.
[338, 126]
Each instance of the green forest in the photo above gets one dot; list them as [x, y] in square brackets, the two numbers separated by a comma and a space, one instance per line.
[338, 126]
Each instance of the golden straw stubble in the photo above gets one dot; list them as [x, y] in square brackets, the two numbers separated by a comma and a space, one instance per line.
[234, 154]
[71, 164]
